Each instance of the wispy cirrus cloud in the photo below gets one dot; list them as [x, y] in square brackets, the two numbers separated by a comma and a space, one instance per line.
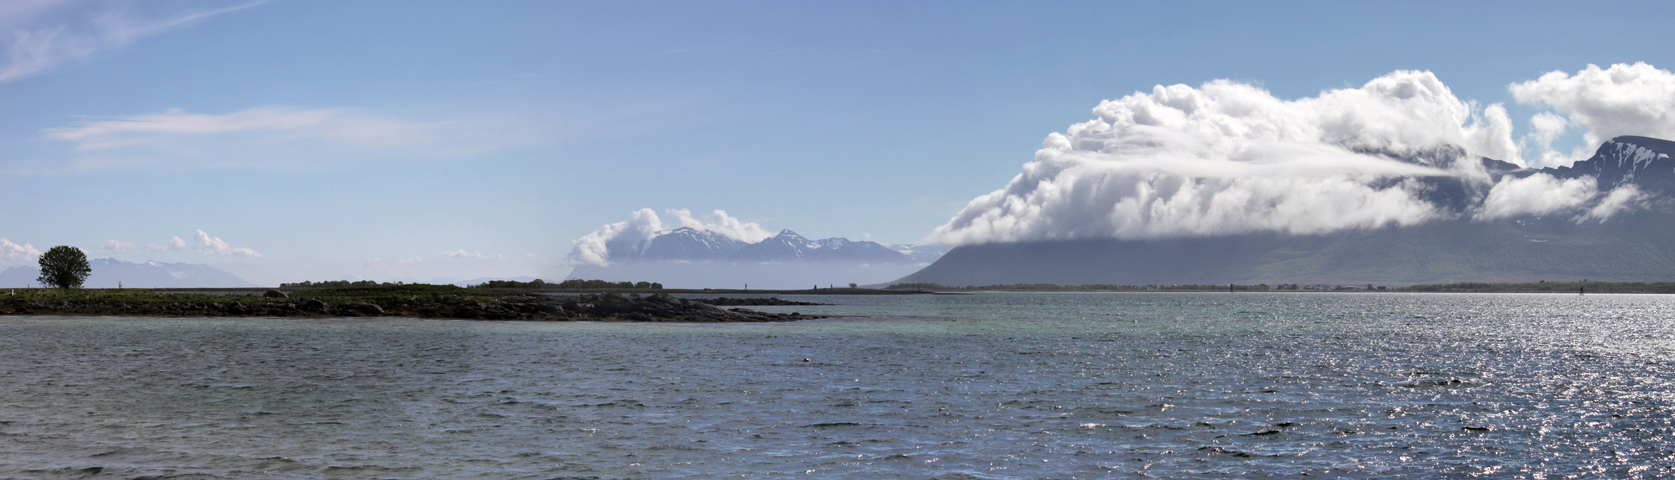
[330, 124]
[271, 137]
[262, 137]
[40, 35]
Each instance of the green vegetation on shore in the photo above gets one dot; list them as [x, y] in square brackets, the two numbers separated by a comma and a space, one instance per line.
[116, 298]
[64, 267]
[409, 300]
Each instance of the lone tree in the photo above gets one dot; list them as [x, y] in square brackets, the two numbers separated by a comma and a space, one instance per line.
[64, 267]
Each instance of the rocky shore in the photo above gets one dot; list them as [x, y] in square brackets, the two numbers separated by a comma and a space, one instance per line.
[752, 302]
[599, 307]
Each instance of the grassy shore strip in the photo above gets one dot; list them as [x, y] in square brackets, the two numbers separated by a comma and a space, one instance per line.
[416, 301]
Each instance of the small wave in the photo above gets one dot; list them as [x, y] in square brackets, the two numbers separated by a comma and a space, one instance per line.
[832, 425]
[367, 468]
[618, 403]
[1228, 451]
[1441, 382]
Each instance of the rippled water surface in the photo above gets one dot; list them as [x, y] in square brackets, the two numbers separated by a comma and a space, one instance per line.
[968, 386]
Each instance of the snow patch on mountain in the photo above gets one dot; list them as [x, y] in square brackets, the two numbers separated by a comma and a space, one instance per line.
[639, 241]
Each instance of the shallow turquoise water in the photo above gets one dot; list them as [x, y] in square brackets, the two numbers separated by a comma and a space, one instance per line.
[1067, 385]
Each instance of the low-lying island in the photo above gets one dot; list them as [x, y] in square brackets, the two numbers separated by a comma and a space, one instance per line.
[417, 301]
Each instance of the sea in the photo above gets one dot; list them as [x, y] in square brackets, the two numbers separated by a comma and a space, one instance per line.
[974, 386]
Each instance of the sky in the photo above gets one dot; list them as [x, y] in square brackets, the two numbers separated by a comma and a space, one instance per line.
[288, 140]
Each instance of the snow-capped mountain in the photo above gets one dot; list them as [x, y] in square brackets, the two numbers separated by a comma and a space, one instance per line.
[1642, 161]
[687, 244]
[692, 258]
[110, 272]
[788, 246]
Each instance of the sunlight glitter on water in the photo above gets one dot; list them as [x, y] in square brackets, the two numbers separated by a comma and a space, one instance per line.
[988, 385]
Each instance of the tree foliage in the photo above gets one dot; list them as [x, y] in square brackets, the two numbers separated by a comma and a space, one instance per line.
[64, 267]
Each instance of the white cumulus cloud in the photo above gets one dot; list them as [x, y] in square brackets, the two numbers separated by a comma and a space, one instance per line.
[118, 246]
[595, 247]
[174, 244]
[719, 222]
[1538, 194]
[1623, 99]
[1230, 158]
[1227, 158]
[215, 246]
[13, 252]
[1619, 200]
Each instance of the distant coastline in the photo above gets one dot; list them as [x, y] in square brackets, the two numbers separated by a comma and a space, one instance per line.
[415, 301]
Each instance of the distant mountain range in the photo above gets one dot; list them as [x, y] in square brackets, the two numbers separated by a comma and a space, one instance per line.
[1635, 246]
[690, 258]
[110, 272]
[687, 244]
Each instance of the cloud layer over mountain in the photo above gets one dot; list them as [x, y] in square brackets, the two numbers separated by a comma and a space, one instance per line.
[595, 248]
[1230, 158]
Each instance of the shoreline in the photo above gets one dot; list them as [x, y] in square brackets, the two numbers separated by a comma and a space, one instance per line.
[426, 302]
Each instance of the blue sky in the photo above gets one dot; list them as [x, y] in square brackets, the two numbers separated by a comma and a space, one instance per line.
[428, 140]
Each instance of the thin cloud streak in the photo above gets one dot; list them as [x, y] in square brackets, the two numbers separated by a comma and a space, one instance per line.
[331, 124]
[271, 137]
[37, 44]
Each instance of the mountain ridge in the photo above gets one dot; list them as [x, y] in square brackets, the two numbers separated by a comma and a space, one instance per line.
[1632, 246]
[686, 244]
[112, 273]
[690, 258]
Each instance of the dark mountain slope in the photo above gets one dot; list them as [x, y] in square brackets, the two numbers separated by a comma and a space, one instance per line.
[1637, 246]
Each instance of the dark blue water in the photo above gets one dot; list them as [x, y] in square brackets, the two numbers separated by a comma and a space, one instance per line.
[975, 386]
